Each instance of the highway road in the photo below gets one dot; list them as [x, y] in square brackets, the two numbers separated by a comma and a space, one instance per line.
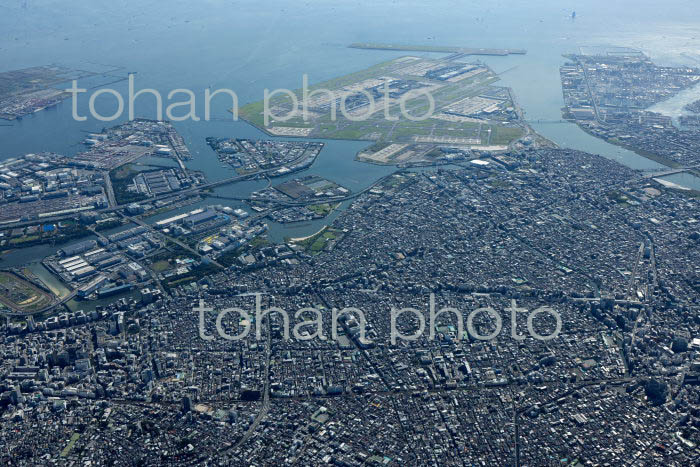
[113, 206]
[53, 305]
[266, 397]
[168, 238]
[198, 190]
[109, 189]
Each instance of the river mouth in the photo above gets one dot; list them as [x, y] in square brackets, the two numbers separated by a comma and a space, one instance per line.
[170, 58]
[674, 106]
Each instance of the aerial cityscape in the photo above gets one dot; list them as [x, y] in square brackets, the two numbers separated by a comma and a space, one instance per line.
[410, 245]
